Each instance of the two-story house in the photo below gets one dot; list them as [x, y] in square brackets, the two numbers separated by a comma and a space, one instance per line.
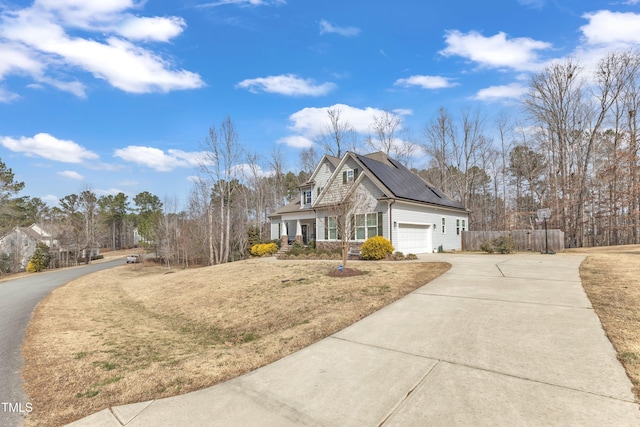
[391, 201]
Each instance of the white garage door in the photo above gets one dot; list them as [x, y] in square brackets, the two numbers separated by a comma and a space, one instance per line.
[413, 239]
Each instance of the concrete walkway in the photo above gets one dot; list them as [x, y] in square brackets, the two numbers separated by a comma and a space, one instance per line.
[497, 341]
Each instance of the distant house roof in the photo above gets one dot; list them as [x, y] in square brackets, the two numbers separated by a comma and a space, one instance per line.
[403, 183]
[31, 233]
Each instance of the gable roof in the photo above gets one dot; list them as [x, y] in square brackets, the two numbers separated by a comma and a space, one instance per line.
[403, 183]
[334, 161]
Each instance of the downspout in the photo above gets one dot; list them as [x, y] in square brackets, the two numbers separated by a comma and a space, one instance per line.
[391, 202]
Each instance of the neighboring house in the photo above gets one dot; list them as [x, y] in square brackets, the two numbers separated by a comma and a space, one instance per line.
[18, 245]
[392, 202]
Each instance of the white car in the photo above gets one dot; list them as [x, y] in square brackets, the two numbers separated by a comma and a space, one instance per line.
[133, 258]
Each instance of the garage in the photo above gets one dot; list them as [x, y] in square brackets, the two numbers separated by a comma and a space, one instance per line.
[414, 238]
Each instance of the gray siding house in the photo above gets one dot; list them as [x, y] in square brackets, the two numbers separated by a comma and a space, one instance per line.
[392, 202]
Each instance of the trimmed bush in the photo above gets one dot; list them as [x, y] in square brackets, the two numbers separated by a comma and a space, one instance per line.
[262, 249]
[376, 248]
[411, 257]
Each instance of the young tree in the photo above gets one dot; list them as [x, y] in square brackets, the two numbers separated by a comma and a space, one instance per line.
[88, 203]
[222, 155]
[339, 210]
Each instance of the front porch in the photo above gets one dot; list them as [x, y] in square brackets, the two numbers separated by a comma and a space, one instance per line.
[301, 231]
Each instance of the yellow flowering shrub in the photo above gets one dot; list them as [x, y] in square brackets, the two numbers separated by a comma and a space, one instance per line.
[376, 248]
[262, 249]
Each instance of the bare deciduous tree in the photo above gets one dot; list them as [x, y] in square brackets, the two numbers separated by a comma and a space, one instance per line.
[338, 135]
[389, 136]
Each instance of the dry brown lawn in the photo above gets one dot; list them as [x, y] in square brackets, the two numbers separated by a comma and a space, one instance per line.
[136, 333]
[611, 279]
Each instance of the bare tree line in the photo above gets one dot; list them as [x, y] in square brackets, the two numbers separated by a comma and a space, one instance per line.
[574, 150]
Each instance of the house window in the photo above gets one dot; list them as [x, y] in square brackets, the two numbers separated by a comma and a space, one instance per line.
[367, 225]
[349, 175]
[307, 197]
[443, 226]
[331, 228]
[457, 226]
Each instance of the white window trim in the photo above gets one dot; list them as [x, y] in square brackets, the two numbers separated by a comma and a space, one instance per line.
[365, 226]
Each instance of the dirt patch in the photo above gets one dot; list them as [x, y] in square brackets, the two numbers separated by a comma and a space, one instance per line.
[610, 279]
[134, 333]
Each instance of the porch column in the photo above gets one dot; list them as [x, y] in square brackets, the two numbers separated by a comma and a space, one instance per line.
[284, 239]
[298, 231]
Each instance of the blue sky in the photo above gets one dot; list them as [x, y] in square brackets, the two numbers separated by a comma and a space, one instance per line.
[119, 95]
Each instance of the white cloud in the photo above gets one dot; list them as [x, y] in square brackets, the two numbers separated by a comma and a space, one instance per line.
[310, 123]
[533, 3]
[6, 96]
[243, 3]
[158, 160]
[296, 141]
[151, 29]
[17, 59]
[496, 51]
[71, 175]
[244, 170]
[49, 147]
[50, 199]
[107, 192]
[35, 41]
[613, 28]
[511, 91]
[426, 82]
[286, 84]
[327, 27]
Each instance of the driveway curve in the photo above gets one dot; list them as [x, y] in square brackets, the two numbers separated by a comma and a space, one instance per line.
[18, 299]
[498, 340]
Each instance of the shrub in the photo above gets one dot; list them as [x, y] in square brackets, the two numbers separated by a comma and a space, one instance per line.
[262, 249]
[411, 257]
[376, 248]
[503, 245]
[31, 268]
[487, 247]
[40, 259]
[396, 256]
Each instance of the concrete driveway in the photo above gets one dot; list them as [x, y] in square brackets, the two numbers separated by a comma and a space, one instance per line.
[500, 340]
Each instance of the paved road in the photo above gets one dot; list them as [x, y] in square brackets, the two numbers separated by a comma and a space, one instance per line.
[18, 298]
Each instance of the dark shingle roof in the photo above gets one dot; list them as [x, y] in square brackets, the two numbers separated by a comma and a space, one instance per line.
[404, 184]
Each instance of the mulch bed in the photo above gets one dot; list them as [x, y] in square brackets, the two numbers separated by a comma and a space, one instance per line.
[346, 272]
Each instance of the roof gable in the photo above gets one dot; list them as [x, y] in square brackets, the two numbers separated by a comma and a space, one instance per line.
[331, 160]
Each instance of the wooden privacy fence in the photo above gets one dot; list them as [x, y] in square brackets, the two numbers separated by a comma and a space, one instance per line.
[526, 240]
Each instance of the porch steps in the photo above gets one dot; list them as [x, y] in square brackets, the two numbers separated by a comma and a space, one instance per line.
[283, 249]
